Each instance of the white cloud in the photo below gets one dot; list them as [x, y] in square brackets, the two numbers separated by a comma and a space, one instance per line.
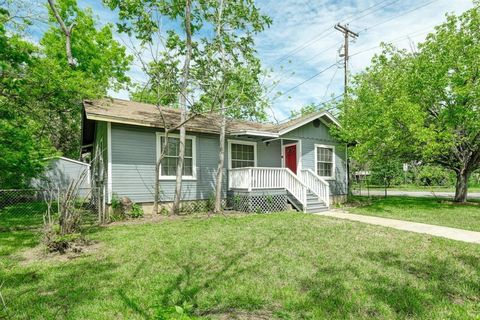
[296, 22]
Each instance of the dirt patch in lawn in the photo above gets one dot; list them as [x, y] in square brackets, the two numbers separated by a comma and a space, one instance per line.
[76, 250]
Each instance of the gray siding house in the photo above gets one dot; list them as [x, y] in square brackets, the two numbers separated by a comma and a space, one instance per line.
[298, 161]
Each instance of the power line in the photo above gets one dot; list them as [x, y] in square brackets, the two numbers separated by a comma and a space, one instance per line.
[404, 37]
[304, 45]
[318, 106]
[329, 84]
[319, 37]
[282, 76]
[398, 16]
[357, 53]
[305, 81]
[369, 13]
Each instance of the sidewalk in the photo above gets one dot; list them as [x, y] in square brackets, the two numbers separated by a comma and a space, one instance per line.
[438, 231]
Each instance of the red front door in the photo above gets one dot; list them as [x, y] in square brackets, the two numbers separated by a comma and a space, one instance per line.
[291, 158]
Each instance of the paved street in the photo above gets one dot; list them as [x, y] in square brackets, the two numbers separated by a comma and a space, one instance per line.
[442, 194]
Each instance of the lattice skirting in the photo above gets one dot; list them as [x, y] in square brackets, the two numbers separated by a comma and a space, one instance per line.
[199, 206]
[257, 202]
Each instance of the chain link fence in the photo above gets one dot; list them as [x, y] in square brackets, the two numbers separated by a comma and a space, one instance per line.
[28, 208]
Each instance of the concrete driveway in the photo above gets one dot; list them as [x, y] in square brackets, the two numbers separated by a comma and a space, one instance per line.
[442, 194]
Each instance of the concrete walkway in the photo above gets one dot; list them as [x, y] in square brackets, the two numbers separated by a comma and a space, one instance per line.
[438, 231]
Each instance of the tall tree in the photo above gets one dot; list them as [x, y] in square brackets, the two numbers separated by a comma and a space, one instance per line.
[425, 105]
[40, 100]
[20, 149]
[144, 18]
[182, 102]
[101, 64]
[230, 70]
[217, 66]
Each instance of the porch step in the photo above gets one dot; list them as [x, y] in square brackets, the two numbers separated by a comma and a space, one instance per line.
[316, 208]
[314, 205]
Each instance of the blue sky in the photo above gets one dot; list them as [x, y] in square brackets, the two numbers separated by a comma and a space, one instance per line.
[302, 42]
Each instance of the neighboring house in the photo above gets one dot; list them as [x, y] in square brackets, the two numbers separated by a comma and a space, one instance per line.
[61, 171]
[266, 165]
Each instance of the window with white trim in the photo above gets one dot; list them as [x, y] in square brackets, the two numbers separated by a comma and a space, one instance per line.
[242, 154]
[168, 166]
[325, 161]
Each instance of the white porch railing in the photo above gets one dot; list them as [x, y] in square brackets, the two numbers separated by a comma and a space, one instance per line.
[317, 185]
[268, 178]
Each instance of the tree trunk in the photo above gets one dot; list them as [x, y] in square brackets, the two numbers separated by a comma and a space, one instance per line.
[156, 197]
[183, 108]
[221, 160]
[385, 183]
[221, 155]
[461, 187]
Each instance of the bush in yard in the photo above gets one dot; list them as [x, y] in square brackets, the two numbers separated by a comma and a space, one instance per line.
[136, 211]
[434, 176]
[59, 235]
[124, 207]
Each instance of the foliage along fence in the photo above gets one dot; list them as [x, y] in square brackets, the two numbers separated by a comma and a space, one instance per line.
[28, 208]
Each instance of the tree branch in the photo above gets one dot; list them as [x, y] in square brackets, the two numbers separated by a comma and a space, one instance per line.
[67, 32]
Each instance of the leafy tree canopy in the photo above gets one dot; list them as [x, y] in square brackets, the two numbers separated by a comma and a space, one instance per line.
[423, 105]
[41, 94]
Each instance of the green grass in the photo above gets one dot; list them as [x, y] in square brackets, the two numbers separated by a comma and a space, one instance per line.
[285, 266]
[410, 187]
[425, 210]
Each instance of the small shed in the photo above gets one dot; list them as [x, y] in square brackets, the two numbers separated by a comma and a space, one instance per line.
[61, 171]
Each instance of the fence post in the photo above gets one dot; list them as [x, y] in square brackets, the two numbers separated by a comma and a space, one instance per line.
[58, 201]
[99, 205]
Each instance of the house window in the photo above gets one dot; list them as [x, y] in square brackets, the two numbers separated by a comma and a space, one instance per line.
[242, 154]
[325, 161]
[168, 166]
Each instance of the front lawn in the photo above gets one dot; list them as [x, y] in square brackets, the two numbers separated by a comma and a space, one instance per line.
[285, 266]
[426, 210]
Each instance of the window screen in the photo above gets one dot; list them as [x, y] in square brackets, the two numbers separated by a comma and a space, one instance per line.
[325, 161]
[243, 155]
[170, 160]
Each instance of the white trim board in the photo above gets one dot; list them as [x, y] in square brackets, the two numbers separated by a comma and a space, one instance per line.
[109, 163]
[332, 177]
[68, 159]
[158, 148]
[254, 133]
[315, 116]
[248, 143]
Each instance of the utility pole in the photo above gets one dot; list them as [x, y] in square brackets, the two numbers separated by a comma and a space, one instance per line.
[347, 33]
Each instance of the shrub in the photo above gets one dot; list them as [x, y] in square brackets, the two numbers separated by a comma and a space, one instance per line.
[136, 211]
[434, 176]
[57, 242]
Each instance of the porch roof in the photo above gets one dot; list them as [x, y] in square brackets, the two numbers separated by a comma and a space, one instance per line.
[143, 114]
